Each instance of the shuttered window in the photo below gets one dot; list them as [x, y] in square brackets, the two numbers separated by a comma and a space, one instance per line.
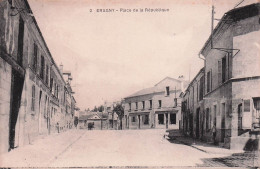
[34, 60]
[209, 81]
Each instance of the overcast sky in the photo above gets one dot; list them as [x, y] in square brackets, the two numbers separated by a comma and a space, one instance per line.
[112, 55]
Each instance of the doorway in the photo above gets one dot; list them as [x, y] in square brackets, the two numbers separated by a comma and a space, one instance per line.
[198, 123]
[139, 122]
[166, 120]
[16, 93]
[223, 121]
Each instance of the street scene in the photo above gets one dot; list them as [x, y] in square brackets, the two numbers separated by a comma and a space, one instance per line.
[86, 83]
[95, 148]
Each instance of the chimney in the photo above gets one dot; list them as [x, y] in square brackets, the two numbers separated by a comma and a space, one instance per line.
[181, 78]
[61, 68]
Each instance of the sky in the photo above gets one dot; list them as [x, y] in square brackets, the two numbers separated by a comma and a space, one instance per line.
[114, 54]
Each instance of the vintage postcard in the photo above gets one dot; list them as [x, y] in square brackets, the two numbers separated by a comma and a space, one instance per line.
[129, 83]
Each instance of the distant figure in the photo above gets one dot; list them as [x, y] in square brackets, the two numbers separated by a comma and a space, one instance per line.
[214, 133]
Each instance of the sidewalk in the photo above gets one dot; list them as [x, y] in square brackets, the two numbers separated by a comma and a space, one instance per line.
[176, 136]
[38, 153]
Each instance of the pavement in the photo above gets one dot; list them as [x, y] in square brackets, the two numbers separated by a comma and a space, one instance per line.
[232, 158]
[42, 151]
[127, 148]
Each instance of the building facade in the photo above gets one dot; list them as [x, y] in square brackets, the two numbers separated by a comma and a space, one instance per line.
[231, 94]
[155, 107]
[192, 107]
[32, 87]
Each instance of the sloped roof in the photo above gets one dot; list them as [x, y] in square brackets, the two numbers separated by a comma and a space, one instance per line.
[89, 116]
[156, 88]
[235, 14]
[84, 117]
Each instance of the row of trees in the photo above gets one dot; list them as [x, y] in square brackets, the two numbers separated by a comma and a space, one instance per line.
[98, 109]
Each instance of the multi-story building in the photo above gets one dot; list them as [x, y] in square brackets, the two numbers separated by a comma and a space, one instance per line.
[32, 87]
[231, 96]
[155, 107]
[192, 106]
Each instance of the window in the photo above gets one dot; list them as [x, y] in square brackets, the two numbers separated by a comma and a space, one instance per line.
[35, 55]
[167, 91]
[256, 123]
[209, 81]
[161, 118]
[42, 67]
[130, 106]
[146, 119]
[159, 103]
[136, 105]
[151, 104]
[224, 69]
[133, 119]
[143, 103]
[57, 90]
[240, 116]
[172, 118]
[47, 75]
[33, 98]
[201, 88]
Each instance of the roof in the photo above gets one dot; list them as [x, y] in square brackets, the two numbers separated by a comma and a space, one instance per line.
[90, 115]
[168, 78]
[194, 79]
[155, 89]
[235, 14]
[84, 117]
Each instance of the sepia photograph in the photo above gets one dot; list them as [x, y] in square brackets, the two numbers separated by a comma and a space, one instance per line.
[129, 83]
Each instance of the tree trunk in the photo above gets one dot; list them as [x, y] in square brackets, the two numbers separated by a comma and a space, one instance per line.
[112, 120]
[121, 124]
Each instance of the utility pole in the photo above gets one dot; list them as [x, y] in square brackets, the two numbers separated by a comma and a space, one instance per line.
[212, 26]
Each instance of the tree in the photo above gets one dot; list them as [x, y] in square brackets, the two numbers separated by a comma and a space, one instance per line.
[95, 109]
[119, 110]
[100, 108]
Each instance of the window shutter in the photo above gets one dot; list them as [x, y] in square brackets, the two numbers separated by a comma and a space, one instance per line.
[210, 80]
[219, 72]
[227, 66]
[246, 116]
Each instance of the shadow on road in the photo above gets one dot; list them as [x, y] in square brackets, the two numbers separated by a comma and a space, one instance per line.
[246, 159]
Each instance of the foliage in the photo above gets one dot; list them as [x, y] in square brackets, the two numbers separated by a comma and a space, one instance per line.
[119, 110]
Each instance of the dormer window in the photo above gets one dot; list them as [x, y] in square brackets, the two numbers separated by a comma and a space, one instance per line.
[167, 91]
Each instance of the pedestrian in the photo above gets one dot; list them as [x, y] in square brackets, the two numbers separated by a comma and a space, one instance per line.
[214, 133]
